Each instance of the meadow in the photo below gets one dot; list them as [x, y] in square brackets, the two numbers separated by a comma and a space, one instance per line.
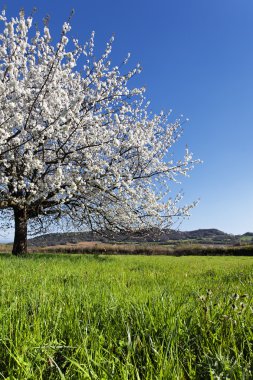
[126, 317]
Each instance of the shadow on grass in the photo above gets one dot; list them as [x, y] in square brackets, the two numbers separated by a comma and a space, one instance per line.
[58, 256]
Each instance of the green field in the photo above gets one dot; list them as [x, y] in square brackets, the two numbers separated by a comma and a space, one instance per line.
[126, 317]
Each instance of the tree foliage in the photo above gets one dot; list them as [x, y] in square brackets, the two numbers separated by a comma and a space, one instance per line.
[76, 141]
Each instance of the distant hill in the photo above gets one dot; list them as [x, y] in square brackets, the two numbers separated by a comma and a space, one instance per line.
[202, 236]
[248, 234]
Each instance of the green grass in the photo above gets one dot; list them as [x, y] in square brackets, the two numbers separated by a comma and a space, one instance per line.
[126, 317]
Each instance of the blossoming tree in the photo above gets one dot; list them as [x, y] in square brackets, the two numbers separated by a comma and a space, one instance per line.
[76, 142]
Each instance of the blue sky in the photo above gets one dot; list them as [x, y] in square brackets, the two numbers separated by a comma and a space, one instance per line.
[197, 59]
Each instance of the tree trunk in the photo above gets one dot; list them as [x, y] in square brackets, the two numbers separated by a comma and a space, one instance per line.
[20, 239]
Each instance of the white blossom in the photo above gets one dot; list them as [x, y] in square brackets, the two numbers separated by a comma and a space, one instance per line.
[81, 144]
[47, 33]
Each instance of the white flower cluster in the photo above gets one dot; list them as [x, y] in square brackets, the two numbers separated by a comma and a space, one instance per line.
[75, 139]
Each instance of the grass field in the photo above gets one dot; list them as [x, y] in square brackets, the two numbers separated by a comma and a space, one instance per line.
[126, 317]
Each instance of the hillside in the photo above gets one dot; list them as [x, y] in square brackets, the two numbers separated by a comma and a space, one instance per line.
[201, 236]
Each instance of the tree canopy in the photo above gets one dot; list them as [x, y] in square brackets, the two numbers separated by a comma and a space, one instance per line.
[76, 141]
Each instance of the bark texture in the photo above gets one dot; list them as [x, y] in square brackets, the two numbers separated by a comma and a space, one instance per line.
[20, 239]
